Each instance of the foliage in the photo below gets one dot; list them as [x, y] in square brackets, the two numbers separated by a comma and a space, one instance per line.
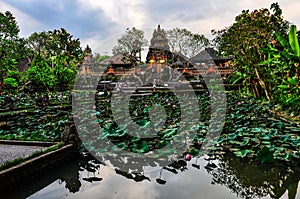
[284, 61]
[99, 58]
[41, 124]
[57, 58]
[63, 73]
[12, 47]
[40, 74]
[54, 43]
[10, 82]
[53, 57]
[185, 42]
[244, 39]
[131, 44]
[249, 128]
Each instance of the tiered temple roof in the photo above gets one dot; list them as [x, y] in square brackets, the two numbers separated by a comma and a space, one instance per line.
[159, 46]
[208, 56]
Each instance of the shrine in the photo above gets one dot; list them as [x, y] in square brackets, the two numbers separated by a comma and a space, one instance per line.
[88, 65]
[159, 48]
[159, 56]
[208, 57]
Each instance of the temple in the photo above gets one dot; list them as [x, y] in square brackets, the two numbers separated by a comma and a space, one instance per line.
[159, 56]
[88, 65]
[208, 57]
[159, 48]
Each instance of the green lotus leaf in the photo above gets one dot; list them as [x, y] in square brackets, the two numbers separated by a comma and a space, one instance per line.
[169, 133]
[242, 153]
[266, 137]
[142, 147]
[266, 143]
[231, 136]
[143, 122]
[286, 157]
[234, 149]
[135, 139]
[296, 154]
[245, 142]
[194, 152]
[256, 130]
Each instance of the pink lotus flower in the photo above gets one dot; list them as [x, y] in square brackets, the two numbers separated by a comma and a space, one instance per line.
[188, 157]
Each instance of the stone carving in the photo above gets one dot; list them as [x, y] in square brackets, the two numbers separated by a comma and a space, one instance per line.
[70, 134]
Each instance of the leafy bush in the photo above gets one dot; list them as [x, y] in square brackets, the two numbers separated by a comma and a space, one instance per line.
[40, 74]
[10, 82]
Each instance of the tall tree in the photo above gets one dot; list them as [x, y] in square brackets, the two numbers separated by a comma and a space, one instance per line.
[131, 44]
[56, 43]
[245, 38]
[12, 47]
[185, 42]
[60, 53]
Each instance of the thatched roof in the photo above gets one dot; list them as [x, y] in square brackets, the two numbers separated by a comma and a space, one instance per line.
[208, 54]
[118, 59]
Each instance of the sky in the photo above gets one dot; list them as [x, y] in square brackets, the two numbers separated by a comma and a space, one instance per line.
[99, 23]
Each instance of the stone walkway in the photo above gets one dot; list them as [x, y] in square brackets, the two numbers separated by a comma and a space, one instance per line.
[11, 152]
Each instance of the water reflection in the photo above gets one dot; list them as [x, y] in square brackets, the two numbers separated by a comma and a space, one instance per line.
[209, 177]
[250, 179]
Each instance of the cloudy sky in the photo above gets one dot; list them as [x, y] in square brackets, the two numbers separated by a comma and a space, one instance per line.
[95, 22]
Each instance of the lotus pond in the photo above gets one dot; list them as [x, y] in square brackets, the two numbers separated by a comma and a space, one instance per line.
[256, 154]
[26, 120]
[249, 130]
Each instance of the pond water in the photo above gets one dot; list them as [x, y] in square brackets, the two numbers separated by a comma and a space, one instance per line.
[203, 177]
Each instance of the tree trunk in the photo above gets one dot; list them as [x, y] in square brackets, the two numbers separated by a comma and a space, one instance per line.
[263, 85]
[256, 89]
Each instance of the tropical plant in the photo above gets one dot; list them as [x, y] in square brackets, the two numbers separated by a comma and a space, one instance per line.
[244, 39]
[284, 61]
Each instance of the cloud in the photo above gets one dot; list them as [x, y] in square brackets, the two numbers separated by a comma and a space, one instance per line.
[75, 18]
[126, 13]
[94, 21]
[27, 24]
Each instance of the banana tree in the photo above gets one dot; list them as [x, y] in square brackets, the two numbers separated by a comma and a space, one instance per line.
[285, 63]
[291, 47]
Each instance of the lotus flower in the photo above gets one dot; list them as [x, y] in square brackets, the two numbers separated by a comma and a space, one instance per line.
[188, 157]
